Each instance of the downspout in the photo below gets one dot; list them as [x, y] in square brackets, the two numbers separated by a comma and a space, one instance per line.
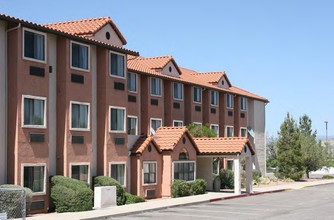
[6, 97]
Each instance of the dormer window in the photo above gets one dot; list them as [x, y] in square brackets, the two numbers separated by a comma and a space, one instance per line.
[107, 35]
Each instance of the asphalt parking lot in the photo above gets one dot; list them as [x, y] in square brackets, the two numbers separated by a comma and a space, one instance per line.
[308, 203]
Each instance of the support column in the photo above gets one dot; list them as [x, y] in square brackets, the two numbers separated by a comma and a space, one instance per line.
[237, 176]
[249, 175]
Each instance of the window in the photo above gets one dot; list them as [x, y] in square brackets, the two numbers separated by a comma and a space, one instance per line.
[178, 91]
[197, 94]
[155, 86]
[79, 116]
[117, 64]
[243, 132]
[80, 56]
[184, 155]
[229, 101]
[214, 98]
[80, 172]
[132, 82]
[243, 103]
[229, 131]
[177, 123]
[215, 128]
[117, 119]
[215, 166]
[34, 178]
[155, 124]
[34, 45]
[132, 125]
[184, 171]
[150, 172]
[230, 164]
[117, 172]
[34, 113]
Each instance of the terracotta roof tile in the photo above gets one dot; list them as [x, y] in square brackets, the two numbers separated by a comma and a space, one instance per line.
[222, 145]
[212, 77]
[142, 143]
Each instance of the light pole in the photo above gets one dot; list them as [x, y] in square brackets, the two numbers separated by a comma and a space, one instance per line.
[326, 122]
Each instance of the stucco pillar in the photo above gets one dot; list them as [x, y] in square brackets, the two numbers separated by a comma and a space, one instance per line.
[249, 175]
[237, 176]
[167, 174]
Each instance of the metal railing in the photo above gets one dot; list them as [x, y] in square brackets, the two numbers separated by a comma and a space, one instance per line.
[12, 203]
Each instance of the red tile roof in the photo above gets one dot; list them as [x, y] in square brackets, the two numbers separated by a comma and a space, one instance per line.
[142, 143]
[85, 27]
[222, 145]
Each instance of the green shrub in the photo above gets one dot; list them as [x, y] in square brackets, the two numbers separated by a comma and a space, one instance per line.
[256, 176]
[70, 195]
[327, 177]
[226, 179]
[180, 188]
[108, 181]
[198, 187]
[130, 199]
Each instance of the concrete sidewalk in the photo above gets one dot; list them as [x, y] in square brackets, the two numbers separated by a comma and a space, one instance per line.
[156, 204]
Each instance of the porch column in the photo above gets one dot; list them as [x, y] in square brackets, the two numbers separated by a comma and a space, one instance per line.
[249, 175]
[237, 182]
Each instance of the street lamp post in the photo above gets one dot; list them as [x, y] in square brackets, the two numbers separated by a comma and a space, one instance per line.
[326, 122]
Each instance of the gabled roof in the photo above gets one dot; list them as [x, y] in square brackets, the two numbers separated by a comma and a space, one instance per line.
[223, 145]
[213, 77]
[85, 27]
[142, 143]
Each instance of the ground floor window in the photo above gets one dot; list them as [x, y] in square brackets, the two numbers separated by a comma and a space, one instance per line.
[150, 172]
[184, 171]
[117, 172]
[215, 166]
[80, 172]
[34, 178]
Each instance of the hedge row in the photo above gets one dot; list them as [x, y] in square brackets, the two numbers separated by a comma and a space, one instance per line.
[182, 188]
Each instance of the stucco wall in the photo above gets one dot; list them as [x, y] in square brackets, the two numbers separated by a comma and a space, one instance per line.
[114, 39]
[204, 170]
[3, 106]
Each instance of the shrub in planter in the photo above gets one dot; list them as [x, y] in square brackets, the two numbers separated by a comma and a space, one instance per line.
[70, 195]
[108, 181]
[130, 199]
[226, 179]
[180, 188]
[198, 187]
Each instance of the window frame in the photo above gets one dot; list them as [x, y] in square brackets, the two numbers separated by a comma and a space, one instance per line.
[215, 125]
[177, 121]
[88, 58]
[88, 116]
[136, 130]
[156, 173]
[81, 164]
[216, 99]
[44, 126]
[229, 105]
[182, 90]
[226, 131]
[243, 128]
[136, 83]
[23, 165]
[156, 119]
[200, 95]
[124, 120]
[125, 171]
[125, 65]
[184, 161]
[23, 45]
[243, 103]
[159, 80]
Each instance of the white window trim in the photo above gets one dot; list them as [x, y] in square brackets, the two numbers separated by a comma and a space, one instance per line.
[88, 119]
[241, 98]
[232, 96]
[22, 112]
[77, 68]
[228, 126]
[125, 65]
[182, 91]
[124, 120]
[156, 173]
[136, 82]
[79, 164]
[217, 125]
[136, 117]
[194, 94]
[185, 161]
[161, 89]
[241, 129]
[117, 163]
[217, 98]
[34, 165]
[45, 46]
[158, 119]
[178, 122]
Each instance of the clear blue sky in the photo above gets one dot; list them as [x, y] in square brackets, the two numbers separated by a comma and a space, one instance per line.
[282, 50]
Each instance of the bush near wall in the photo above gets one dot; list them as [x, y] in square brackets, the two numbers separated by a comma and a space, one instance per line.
[70, 195]
[108, 181]
[198, 187]
[130, 199]
[181, 188]
[226, 179]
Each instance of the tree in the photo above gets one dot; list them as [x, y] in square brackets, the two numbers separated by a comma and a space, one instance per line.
[201, 131]
[271, 152]
[289, 152]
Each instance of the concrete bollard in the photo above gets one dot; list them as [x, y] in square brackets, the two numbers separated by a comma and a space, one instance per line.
[104, 196]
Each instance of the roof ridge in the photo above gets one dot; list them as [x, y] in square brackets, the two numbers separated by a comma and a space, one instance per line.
[79, 20]
[215, 72]
[155, 57]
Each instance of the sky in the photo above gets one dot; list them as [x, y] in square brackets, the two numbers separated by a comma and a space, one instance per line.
[280, 49]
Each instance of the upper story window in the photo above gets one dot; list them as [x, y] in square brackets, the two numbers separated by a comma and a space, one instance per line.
[34, 114]
[79, 116]
[178, 91]
[177, 123]
[132, 125]
[243, 103]
[117, 119]
[215, 128]
[132, 82]
[155, 124]
[243, 132]
[155, 86]
[229, 131]
[117, 64]
[34, 45]
[197, 94]
[214, 98]
[229, 100]
[79, 56]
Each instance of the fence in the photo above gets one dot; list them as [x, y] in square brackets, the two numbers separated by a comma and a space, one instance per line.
[12, 203]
